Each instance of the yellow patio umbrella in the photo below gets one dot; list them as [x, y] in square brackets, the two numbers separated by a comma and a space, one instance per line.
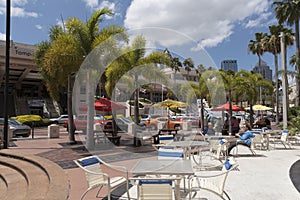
[170, 103]
[259, 107]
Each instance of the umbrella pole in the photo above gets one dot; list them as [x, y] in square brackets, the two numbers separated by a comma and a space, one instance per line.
[168, 118]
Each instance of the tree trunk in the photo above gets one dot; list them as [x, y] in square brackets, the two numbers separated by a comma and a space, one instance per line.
[277, 87]
[202, 114]
[230, 113]
[71, 126]
[136, 109]
[297, 102]
[251, 115]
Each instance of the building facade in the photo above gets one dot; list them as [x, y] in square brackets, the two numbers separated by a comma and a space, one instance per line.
[25, 84]
[264, 70]
[229, 65]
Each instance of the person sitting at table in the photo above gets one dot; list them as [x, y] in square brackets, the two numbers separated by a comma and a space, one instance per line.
[209, 130]
[267, 122]
[245, 138]
[226, 126]
[235, 125]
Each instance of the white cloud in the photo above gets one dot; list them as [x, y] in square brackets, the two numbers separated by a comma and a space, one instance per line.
[17, 9]
[39, 27]
[259, 21]
[91, 3]
[20, 12]
[2, 36]
[208, 22]
[94, 5]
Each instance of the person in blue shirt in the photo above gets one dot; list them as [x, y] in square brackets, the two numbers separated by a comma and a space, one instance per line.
[209, 130]
[245, 137]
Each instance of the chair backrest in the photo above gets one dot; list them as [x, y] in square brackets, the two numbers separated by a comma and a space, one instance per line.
[165, 139]
[217, 146]
[91, 166]
[258, 138]
[265, 129]
[284, 135]
[170, 154]
[256, 131]
[155, 189]
[213, 181]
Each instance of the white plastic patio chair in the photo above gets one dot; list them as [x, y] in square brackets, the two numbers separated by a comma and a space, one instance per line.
[284, 139]
[170, 154]
[155, 189]
[212, 181]
[165, 139]
[212, 159]
[95, 177]
[259, 141]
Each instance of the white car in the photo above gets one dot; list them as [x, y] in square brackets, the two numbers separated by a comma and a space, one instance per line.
[60, 119]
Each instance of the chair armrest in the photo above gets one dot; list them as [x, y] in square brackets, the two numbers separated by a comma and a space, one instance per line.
[210, 173]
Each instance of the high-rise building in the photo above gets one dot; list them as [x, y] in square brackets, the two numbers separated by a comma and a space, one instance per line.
[229, 65]
[264, 70]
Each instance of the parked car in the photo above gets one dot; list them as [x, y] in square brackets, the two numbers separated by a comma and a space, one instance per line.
[195, 121]
[60, 120]
[172, 124]
[122, 124]
[18, 129]
[145, 118]
[80, 121]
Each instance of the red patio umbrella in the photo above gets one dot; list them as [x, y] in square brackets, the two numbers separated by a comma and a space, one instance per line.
[109, 105]
[225, 107]
[97, 105]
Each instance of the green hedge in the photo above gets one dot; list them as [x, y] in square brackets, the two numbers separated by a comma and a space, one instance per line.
[294, 120]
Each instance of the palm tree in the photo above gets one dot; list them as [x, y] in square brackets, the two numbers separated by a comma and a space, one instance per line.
[201, 69]
[188, 64]
[230, 83]
[256, 47]
[134, 60]
[195, 90]
[272, 44]
[288, 11]
[68, 48]
[251, 83]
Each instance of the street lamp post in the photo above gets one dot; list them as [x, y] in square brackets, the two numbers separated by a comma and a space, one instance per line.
[284, 81]
[7, 57]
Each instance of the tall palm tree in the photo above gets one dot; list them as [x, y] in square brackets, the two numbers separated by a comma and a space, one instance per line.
[287, 11]
[201, 69]
[229, 84]
[251, 83]
[68, 48]
[132, 60]
[256, 47]
[272, 44]
[188, 64]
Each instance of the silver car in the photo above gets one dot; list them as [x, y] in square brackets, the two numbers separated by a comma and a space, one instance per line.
[18, 129]
[61, 119]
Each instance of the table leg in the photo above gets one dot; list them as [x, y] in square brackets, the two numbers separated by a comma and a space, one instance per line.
[177, 189]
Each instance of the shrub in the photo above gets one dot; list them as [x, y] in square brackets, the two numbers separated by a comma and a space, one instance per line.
[33, 120]
[294, 120]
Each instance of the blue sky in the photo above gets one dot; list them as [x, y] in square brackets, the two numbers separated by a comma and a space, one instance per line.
[206, 31]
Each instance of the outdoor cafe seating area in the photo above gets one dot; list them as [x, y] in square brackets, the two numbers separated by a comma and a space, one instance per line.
[186, 167]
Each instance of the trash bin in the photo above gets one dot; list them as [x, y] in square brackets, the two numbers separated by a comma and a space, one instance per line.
[10, 134]
[97, 127]
[132, 128]
[53, 131]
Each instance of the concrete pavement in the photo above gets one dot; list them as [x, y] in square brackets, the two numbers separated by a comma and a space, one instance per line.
[270, 174]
